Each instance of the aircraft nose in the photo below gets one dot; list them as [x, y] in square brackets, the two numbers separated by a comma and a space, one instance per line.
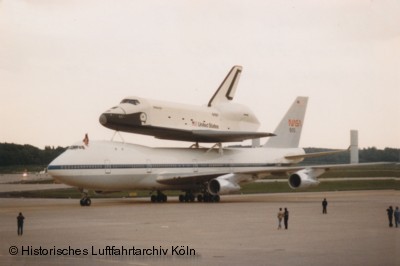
[103, 119]
[107, 116]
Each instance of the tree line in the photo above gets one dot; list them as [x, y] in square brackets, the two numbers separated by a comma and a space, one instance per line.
[365, 155]
[27, 155]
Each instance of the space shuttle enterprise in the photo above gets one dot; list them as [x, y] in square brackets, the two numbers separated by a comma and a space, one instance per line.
[219, 121]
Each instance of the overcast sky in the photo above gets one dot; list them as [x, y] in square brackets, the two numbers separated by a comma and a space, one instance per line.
[63, 63]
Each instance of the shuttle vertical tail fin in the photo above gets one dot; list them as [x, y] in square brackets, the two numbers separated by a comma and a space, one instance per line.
[289, 129]
[227, 89]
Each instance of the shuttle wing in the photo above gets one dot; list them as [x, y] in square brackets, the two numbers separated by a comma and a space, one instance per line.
[209, 136]
[229, 136]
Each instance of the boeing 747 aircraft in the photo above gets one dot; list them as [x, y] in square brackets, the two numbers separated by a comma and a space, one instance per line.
[219, 121]
[202, 173]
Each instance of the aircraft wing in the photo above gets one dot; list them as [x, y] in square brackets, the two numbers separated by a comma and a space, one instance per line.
[290, 169]
[199, 178]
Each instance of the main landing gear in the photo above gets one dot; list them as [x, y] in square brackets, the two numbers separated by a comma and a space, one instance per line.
[189, 196]
[160, 197]
[202, 197]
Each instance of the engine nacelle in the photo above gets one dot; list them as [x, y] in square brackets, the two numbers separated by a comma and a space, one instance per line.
[305, 178]
[222, 185]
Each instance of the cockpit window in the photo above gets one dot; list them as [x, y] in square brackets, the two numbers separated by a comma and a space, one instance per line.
[131, 101]
[76, 147]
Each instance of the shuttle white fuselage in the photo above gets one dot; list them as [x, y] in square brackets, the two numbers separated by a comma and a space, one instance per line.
[151, 116]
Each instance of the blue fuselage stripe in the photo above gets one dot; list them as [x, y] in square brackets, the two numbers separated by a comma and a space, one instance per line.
[146, 166]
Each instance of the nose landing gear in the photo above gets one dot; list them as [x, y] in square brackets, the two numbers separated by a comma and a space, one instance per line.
[85, 200]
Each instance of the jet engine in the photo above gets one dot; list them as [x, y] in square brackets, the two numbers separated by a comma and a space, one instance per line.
[305, 178]
[223, 185]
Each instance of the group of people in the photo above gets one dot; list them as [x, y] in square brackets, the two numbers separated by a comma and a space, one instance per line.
[283, 215]
[395, 213]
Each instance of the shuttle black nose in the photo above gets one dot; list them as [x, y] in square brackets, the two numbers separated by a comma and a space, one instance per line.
[103, 119]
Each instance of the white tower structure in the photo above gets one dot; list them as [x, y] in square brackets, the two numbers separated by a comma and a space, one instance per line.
[354, 146]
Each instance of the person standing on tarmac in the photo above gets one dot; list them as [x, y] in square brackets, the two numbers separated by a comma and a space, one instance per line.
[280, 217]
[390, 215]
[324, 206]
[20, 222]
[286, 218]
[397, 216]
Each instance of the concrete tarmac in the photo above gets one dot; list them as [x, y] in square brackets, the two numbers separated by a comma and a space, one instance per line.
[240, 230]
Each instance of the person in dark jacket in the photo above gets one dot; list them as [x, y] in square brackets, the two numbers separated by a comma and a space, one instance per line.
[397, 216]
[286, 218]
[20, 222]
[324, 206]
[390, 215]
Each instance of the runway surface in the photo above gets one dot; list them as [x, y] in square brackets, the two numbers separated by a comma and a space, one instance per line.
[240, 230]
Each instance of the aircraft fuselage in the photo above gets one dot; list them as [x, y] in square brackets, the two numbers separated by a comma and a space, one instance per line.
[115, 166]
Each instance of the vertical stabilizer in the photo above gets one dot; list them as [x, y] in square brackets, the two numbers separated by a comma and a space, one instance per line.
[227, 89]
[289, 129]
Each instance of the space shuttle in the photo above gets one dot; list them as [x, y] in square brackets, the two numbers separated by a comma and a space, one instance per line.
[219, 121]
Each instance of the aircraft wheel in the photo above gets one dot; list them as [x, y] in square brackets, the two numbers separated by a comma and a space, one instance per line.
[85, 202]
[153, 198]
[216, 198]
[88, 202]
[82, 202]
[200, 198]
[181, 198]
[206, 198]
[191, 198]
[161, 198]
[186, 198]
